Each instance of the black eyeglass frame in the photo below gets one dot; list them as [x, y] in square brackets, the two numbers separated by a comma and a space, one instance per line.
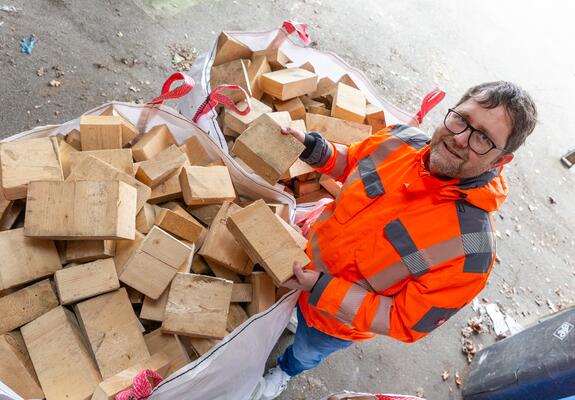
[472, 130]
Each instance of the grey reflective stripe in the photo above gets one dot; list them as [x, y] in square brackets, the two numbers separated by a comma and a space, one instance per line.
[478, 181]
[410, 135]
[364, 283]
[351, 302]
[400, 239]
[320, 286]
[316, 259]
[340, 161]
[385, 149]
[380, 323]
[477, 237]
[388, 277]
[433, 318]
[371, 180]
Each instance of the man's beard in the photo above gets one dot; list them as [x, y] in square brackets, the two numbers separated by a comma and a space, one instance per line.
[442, 167]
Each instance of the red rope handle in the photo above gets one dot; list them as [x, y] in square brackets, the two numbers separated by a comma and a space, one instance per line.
[141, 387]
[176, 93]
[429, 102]
[299, 28]
[215, 98]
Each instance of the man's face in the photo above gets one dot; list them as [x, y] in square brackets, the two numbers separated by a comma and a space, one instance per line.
[451, 157]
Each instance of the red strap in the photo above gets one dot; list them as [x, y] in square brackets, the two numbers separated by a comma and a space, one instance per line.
[300, 28]
[176, 93]
[215, 98]
[430, 100]
[396, 397]
[141, 387]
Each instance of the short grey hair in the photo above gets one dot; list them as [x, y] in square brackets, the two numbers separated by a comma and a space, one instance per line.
[517, 103]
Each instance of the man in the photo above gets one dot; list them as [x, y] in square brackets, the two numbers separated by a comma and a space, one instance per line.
[410, 239]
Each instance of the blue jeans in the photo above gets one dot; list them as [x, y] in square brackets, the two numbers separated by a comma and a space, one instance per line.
[310, 347]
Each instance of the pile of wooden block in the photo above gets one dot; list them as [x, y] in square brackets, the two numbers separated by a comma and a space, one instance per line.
[283, 96]
[122, 251]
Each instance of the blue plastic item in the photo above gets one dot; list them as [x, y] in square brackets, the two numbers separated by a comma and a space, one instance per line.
[27, 44]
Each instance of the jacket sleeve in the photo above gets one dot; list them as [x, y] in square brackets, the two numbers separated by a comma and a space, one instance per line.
[418, 308]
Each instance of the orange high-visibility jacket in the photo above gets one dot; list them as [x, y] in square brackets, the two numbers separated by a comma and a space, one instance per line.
[400, 250]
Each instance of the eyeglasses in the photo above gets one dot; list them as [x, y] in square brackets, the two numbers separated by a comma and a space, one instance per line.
[478, 141]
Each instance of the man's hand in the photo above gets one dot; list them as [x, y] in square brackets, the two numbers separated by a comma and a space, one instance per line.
[304, 279]
[296, 133]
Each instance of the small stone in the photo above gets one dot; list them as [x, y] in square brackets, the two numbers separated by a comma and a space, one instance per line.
[551, 200]
[419, 392]
[457, 379]
[54, 83]
[40, 71]
[445, 376]
[531, 207]
[508, 232]
[120, 34]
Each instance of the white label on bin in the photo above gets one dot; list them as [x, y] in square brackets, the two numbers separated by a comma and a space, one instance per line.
[564, 330]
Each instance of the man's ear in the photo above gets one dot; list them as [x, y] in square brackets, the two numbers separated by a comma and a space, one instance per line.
[502, 160]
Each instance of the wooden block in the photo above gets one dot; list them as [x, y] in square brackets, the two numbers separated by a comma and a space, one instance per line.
[231, 73]
[325, 87]
[73, 139]
[314, 197]
[264, 293]
[168, 190]
[82, 251]
[113, 332]
[308, 66]
[81, 282]
[337, 130]
[258, 67]
[302, 188]
[25, 259]
[223, 272]
[81, 210]
[298, 168]
[205, 214]
[240, 123]
[66, 152]
[129, 131]
[221, 247]
[199, 266]
[294, 106]
[267, 99]
[229, 49]
[266, 241]
[346, 79]
[241, 293]
[152, 142]
[24, 161]
[124, 251]
[309, 103]
[275, 57]
[236, 317]
[348, 104]
[265, 150]
[16, 368]
[100, 132]
[63, 363]
[206, 185]
[160, 167]
[282, 118]
[157, 341]
[5, 204]
[320, 109]
[281, 210]
[185, 227]
[153, 310]
[198, 306]
[22, 306]
[93, 169]
[118, 158]
[288, 83]
[201, 346]
[110, 387]
[153, 265]
[196, 152]
[146, 218]
[12, 214]
[375, 117]
[294, 233]
[331, 185]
